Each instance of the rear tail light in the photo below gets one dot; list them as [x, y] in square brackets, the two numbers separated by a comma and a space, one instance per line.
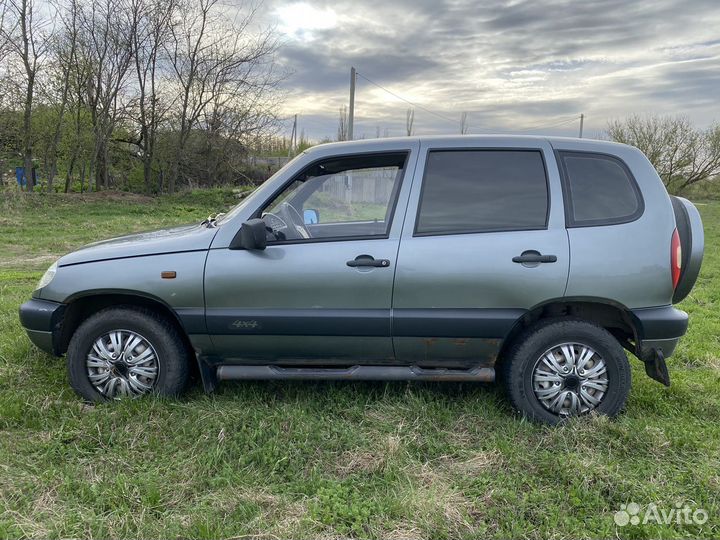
[675, 258]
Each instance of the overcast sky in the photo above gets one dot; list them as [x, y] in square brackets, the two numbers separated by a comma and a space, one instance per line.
[511, 65]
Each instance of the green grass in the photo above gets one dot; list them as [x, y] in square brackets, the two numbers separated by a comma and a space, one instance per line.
[302, 460]
[333, 210]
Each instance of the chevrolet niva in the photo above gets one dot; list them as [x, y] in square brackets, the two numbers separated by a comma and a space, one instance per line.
[531, 259]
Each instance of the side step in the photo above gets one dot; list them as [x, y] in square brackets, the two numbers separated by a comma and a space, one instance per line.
[355, 373]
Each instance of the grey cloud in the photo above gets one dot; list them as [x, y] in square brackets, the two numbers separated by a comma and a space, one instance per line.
[510, 64]
[318, 69]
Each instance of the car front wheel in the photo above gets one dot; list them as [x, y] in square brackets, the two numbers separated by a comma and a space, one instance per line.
[566, 367]
[126, 352]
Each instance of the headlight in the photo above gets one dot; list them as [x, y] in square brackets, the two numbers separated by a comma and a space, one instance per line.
[47, 276]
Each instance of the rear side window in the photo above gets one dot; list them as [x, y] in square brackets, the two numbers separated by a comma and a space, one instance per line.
[599, 190]
[466, 191]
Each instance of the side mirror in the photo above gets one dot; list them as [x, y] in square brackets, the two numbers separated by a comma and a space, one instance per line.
[252, 235]
[311, 216]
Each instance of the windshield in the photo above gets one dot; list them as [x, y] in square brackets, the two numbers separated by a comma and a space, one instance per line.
[251, 198]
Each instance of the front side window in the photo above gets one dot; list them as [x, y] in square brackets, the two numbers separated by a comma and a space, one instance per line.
[466, 191]
[349, 197]
[599, 190]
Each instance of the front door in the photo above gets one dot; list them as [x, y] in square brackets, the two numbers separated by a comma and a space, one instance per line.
[320, 293]
[482, 244]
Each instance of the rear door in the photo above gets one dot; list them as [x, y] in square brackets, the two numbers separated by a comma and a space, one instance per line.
[484, 241]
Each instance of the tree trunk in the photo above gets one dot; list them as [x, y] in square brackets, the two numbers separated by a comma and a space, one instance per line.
[147, 159]
[106, 172]
[82, 177]
[100, 164]
[76, 149]
[147, 174]
[175, 170]
[71, 166]
[27, 135]
[55, 142]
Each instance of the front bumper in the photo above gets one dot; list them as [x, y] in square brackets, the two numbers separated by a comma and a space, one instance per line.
[42, 321]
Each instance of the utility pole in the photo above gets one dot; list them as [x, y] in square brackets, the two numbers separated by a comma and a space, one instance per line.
[582, 119]
[409, 121]
[351, 112]
[293, 137]
[463, 124]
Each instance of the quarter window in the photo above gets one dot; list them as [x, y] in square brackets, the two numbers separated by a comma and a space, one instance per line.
[467, 191]
[599, 190]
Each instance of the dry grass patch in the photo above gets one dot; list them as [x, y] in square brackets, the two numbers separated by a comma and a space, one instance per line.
[359, 461]
[438, 505]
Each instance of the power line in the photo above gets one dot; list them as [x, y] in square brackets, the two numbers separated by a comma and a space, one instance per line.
[545, 126]
[565, 120]
[447, 118]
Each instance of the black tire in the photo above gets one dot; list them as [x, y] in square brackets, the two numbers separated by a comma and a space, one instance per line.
[518, 365]
[172, 354]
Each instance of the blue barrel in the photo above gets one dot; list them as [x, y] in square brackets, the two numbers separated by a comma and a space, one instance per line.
[22, 179]
[20, 176]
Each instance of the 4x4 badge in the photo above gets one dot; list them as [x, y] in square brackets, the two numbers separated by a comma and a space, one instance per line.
[244, 325]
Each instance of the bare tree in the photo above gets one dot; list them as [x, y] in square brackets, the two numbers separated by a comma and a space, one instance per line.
[108, 30]
[342, 130]
[5, 29]
[172, 83]
[80, 74]
[409, 121]
[704, 158]
[152, 22]
[64, 48]
[212, 60]
[681, 154]
[24, 35]
[241, 111]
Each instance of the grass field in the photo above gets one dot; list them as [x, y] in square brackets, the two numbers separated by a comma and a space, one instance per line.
[301, 460]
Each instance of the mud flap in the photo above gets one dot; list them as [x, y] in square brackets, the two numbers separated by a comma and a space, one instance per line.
[656, 368]
[208, 374]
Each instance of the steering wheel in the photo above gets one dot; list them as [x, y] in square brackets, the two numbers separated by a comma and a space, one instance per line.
[276, 223]
[292, 216]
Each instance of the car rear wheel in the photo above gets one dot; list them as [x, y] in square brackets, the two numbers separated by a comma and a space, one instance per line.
[126, 352]
[566, 367]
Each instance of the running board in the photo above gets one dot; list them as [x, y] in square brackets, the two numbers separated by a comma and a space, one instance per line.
[354, 373]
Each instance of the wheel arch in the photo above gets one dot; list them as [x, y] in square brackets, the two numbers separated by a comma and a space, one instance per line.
[82, 305]
[609, 314]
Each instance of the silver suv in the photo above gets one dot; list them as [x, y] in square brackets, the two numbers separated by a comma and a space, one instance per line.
[533, 260]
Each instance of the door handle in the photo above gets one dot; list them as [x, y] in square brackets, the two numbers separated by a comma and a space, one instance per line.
[368, 260]
[535, 257]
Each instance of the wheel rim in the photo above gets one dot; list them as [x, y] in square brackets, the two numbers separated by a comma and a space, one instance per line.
[122, 363]
[570, 379]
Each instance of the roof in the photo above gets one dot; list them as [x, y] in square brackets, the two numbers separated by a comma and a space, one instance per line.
[480, 140]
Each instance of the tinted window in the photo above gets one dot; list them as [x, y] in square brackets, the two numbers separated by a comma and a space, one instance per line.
[483, 190]
[599, 189]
